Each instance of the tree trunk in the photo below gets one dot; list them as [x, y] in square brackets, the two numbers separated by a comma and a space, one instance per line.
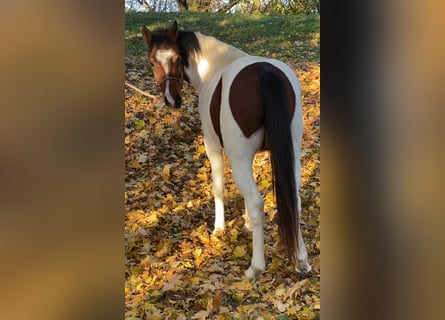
[182, 5]
[146, 5]
[228, 6]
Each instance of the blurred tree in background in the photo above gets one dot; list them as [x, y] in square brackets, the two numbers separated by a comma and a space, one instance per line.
[243, 6]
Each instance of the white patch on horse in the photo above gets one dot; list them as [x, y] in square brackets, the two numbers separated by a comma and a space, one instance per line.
[203, 66]
[163, 56]
[167, 93]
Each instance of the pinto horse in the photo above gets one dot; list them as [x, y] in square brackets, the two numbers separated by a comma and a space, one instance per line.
[246, 104]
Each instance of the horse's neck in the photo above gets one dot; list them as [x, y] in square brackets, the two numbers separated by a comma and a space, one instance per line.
[214, 56]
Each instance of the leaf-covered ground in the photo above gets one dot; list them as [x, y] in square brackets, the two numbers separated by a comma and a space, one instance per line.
[175, 267]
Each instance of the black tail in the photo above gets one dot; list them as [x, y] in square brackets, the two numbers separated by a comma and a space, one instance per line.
[278, 139]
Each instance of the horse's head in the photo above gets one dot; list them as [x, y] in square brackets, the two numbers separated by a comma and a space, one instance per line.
[165, 58]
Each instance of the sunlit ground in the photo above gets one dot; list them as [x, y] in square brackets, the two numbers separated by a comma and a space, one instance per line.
[175, 267]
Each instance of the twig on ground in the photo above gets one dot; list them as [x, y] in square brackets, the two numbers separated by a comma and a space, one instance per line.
[140, 91]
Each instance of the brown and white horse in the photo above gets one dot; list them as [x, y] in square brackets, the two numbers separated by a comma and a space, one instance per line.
[246, 103]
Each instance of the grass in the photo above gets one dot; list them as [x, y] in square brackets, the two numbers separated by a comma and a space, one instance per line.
[291, 37]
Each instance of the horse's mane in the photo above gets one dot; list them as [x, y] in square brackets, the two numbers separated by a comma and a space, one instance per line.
[188, 45]
[186, 41]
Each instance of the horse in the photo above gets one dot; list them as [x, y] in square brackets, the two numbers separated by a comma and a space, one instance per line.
[246, 104]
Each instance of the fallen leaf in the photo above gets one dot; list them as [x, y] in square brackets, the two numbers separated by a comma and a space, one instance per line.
[135, 164]
[282, 307]
[244, 284]
[203, 314]
[194, 280]
[292, 310]
[214, 302]
[239, 251]
[171, 283]
[166, 171]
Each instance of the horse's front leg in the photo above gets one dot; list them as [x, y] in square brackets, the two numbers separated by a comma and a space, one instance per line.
[215, 155]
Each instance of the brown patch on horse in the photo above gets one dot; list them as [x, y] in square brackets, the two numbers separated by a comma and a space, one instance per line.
[215, 110]
[246, 99]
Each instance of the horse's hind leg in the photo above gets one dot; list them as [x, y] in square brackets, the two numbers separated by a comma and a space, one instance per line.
[216, 159]
[242, 173]
[303, 265]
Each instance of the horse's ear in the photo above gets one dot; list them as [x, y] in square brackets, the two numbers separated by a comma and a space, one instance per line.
[147, 35]
[173, 32]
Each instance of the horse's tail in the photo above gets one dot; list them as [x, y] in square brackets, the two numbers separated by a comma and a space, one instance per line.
[278, 139]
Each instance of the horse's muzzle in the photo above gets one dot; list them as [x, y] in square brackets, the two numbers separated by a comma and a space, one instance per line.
[177, 102]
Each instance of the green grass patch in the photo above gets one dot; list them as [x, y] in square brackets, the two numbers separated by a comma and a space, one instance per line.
[291, 38]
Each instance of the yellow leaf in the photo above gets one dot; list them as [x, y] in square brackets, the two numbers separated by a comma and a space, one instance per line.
[149, 306]
[239, 251]
[292, 311]
[198, 261]
[276, 264]
[194, 280]
[155, 293]
[153, 120]
[270, 196]
[201, 149]
[166, 171]
[223, 310]
[153, 217]
[197, 252]
[203, 314]
[135, 164]
[265, 183]
[295, 287]
[241, 285]
[234, 235]
[280, 292]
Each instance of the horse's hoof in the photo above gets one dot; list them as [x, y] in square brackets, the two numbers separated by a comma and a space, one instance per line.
[217, 231]
[253, 273]
[250, 274]
[303, 267]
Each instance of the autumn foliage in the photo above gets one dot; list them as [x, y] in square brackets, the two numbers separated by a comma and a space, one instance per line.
[175, 267]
